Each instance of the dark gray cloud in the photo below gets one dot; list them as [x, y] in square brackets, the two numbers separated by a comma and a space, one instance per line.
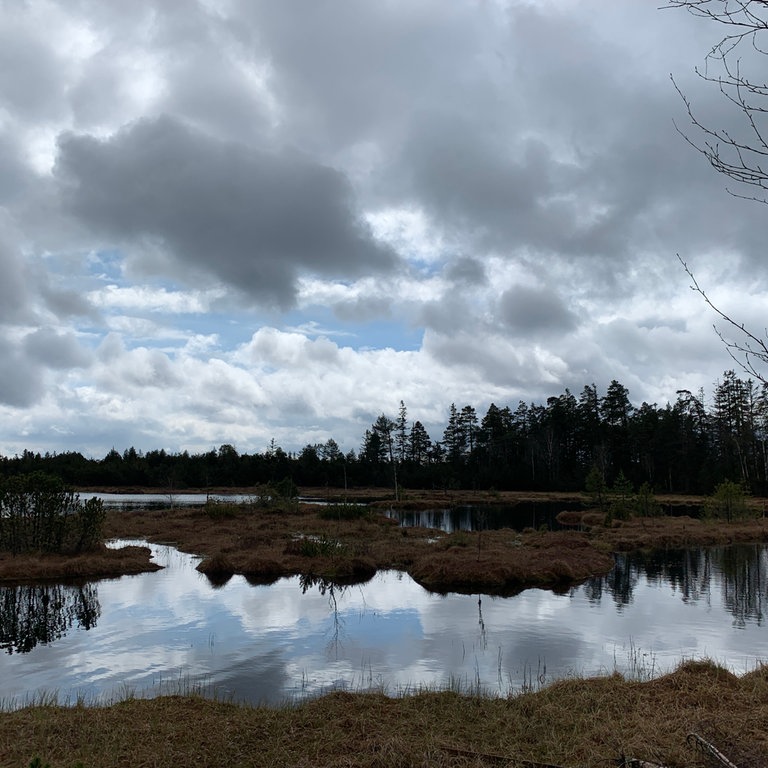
[253, 219]
[55, 350]
[531, 311]
[360, 71]
[30, 79]
[21, 381]
[466, 271]
[15, 298]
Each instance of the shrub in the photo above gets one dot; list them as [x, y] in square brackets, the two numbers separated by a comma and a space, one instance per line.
[39, 514]
[729, 501]
[218, 509]
[284, 489]
[645, 502]
[622, 501]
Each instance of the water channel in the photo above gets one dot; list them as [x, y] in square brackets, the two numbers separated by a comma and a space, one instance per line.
[172, 631]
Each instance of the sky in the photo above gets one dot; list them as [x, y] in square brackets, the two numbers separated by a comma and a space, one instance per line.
[238, 221]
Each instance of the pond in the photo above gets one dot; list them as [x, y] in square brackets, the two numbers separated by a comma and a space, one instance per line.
[173, 631]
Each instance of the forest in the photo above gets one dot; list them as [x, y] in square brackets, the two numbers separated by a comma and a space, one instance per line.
[687, 446]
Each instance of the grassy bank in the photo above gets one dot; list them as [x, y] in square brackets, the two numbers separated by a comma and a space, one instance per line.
[575, 722]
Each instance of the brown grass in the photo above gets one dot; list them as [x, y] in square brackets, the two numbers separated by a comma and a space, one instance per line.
[679, 532]
[504, 562]
[103, 563]
[576, 722]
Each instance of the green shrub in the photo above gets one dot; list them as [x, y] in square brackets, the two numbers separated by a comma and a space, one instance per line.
[622, 499]
[729, 501]
[645, 504]
[284, 489]
[39, 514]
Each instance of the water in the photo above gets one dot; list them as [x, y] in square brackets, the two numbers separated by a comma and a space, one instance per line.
[523, 514]
[164, 500]
[172, 631]
[161, 500]
[474, 517]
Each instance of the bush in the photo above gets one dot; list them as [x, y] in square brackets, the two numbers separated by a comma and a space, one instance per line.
[38, 514]
[729, 501]
[218, 509]
[284, 489]
[645, 502]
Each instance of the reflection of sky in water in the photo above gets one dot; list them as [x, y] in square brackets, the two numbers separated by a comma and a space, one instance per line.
[167, 630]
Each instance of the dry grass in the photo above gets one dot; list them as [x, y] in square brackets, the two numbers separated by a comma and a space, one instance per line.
[679, 532]
[103, 563]
[504, 562]
[576, 722]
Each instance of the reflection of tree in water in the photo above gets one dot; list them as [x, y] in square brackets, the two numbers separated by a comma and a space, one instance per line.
[39, 614]
[619, 582]
[743, 570]
[689, 571]
[744, 580]
[334, 591]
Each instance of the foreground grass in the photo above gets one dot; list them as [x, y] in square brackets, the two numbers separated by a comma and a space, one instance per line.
[575, 722]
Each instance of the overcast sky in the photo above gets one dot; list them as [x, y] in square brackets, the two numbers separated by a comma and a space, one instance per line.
[228, 221]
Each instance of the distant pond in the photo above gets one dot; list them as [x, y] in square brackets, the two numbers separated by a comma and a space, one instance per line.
[173, 631]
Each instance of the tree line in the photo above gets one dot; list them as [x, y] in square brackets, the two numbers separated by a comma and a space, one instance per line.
[686, 446]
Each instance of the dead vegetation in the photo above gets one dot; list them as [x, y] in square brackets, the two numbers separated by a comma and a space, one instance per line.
[575, 722]
[99, 564]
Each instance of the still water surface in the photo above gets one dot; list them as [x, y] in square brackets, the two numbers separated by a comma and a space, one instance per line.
[171, 630]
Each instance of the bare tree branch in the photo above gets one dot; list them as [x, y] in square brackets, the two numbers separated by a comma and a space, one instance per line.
[743, 159]
[749, 352]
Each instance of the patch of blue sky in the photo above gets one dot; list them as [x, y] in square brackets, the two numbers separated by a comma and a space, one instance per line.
[358, 335]
[106, 265]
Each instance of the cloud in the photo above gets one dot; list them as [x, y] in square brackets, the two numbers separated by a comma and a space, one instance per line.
[252, 219]
[530, 311]
[55, 350]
